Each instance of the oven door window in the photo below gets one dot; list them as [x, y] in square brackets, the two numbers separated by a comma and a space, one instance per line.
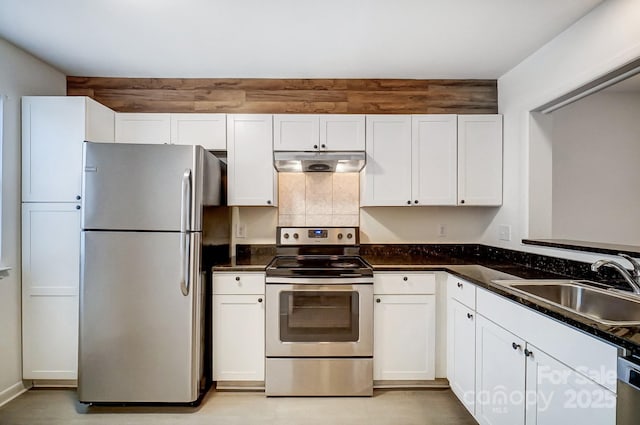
[309, 316]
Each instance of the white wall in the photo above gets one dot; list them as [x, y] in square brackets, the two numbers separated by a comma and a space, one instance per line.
[20, 75]
[605, 39]
[596, 149]
[381, 224]
[422, 224]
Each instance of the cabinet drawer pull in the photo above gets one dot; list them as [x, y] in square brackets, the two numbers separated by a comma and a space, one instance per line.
[237, 278]
[516, 346]
[405, 278]
[469, 316]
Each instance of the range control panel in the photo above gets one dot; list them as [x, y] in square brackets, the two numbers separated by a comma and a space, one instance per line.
[318, 236]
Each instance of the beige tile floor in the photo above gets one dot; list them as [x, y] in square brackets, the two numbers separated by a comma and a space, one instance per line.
[421, 407]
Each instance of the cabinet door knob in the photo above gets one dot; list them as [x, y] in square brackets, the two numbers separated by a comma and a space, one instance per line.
[77, 207]
[269, 202]
[78, 197]
[462, 201]
[469, 316]
[528, 353]
[408, 202]
[237, 278]
[315, 146]
[323, 146]
[415, 202]
[515, 346]
[459, 285]
[377, 300]
[405, 278]
[259, 300]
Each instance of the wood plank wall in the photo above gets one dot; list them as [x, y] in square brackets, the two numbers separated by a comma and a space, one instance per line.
[341, 96]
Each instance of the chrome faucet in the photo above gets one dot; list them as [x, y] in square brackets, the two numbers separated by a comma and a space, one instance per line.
[632, 277]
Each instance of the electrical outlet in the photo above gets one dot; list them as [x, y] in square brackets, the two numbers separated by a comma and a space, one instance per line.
[442, 230]
[241, 230]
[504, 232]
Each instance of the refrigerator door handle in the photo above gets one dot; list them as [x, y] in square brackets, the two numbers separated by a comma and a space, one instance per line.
[185, 227]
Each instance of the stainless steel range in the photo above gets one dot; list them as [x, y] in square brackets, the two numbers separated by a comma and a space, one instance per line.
[319, 315]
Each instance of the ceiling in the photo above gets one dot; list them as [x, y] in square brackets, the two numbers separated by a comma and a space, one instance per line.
[286, 38]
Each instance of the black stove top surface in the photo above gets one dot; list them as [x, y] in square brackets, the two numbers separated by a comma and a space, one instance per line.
[319, 265]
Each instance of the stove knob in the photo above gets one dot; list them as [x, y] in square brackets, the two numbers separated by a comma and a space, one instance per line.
[349, 236]
[286, 236]
[295, 236]
[339, 235]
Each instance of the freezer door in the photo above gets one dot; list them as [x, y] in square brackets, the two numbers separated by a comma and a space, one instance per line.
[140, 337]
[144, 187]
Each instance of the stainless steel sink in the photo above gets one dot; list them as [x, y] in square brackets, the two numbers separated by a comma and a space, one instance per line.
[602, 305]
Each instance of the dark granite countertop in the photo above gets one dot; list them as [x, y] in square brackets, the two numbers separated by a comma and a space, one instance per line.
[254, 263]
[480, 270]
[482, 273]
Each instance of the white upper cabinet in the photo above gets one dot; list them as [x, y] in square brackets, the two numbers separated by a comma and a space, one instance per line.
[434, 152]
[300, 132]
[293, 132]
[206, 130]
[433, 160]
[342, 132]
[251, 175]
[53, 129]
[135, 127]
[480, 159]
[387, 176]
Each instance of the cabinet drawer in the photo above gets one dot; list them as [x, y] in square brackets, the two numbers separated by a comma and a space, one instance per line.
[238, 283]
[462, 291]
[404, 283]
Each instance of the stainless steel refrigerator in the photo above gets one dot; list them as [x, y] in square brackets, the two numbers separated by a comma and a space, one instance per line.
[141, 286]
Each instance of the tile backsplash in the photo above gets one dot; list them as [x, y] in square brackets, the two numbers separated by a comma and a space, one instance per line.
[318, 199]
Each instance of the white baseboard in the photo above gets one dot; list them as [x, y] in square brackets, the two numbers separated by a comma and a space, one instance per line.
[12, 392]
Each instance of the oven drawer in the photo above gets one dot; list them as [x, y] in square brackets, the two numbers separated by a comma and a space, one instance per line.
[404, 283]
[238, 283]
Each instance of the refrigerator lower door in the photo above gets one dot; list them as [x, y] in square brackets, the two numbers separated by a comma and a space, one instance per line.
[140, 337]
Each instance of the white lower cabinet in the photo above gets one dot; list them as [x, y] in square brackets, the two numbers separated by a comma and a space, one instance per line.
[533, 370]
[404, 327]
[50, 282]
[238, 327]
[461, 362]
[500, 375]
[558, 394]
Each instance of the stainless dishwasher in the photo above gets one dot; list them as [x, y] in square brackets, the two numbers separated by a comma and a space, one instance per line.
[628, 404]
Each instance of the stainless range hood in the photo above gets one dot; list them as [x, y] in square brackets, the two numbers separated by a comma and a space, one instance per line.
[329, 162]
